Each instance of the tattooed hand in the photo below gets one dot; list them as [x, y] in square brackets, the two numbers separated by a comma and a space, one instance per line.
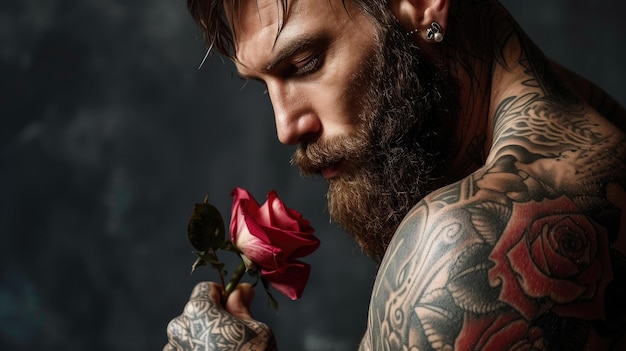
[206, 325]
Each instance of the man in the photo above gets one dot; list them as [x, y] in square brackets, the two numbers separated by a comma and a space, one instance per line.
[489, 182]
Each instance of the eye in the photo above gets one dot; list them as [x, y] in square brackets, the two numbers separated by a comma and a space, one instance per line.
[312, 64]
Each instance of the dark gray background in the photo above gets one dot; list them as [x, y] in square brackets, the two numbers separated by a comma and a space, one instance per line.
[108, 136]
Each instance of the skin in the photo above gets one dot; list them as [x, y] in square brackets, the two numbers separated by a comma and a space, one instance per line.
[526, 251]
[304, 104]
[207, 325]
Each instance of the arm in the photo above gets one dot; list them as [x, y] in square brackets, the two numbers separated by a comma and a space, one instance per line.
[524, 253]
[494, 262]
[527, 252]
[205, 325]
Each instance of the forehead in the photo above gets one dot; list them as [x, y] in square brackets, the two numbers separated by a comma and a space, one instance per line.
[260, 25]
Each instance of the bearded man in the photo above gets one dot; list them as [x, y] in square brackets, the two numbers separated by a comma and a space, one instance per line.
[487, 181]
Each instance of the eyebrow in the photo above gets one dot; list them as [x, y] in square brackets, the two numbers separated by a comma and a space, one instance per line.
[292, 47]
[289, 49]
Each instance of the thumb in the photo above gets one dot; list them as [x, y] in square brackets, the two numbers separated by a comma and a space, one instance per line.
[239, 301]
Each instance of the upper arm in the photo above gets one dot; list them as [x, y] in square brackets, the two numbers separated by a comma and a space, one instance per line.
[495, 261]
[434, 273]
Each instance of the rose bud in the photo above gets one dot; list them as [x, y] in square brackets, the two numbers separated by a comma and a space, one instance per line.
[272, 237]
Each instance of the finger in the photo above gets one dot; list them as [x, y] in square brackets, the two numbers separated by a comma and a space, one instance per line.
[207, 290]
[239, 301]
[204, 290]
[177, 333]
[204, 301]
[215, 293]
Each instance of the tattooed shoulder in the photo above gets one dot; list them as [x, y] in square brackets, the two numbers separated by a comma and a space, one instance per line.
[501, 260]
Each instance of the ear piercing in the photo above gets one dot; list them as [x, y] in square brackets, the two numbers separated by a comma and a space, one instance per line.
[434, 32]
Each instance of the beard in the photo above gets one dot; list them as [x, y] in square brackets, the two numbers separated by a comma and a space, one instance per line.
[394, 156]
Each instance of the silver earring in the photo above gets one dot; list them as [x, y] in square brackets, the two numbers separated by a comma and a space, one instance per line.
[434, 32]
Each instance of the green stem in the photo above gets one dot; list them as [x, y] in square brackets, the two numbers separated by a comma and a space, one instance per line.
[232, 284]
[220, 271]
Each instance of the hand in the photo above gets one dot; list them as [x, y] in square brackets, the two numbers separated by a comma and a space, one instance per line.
[206, 325]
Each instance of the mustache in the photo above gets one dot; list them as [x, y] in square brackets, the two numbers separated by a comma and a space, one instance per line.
[316, 155]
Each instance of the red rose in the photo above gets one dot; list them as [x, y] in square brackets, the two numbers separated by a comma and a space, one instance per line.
[273, 236]
[551, 256]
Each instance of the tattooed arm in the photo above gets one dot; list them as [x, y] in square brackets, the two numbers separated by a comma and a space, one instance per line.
[205, 325]
[500, 261]
[434, 276]
[529, 251]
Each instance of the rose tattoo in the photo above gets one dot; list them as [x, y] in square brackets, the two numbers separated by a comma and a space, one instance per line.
[552, 261]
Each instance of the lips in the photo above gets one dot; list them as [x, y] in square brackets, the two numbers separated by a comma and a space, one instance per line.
[331, 171]
[313, 159]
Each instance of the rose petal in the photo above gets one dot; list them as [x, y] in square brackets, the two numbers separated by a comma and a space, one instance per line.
[291, 281]
[538, 285]
[240, 195]
[262, 254]
[556, 272]
[502, 332]
[283, 217]
[292, 244]
[255, 227]
[306, 248]
[264, 214]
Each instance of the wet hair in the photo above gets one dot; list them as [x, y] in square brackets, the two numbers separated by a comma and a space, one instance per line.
[210, 16]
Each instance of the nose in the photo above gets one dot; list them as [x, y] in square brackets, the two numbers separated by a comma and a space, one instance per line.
[296, 120]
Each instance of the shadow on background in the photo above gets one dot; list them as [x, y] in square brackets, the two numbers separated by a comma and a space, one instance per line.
[109, 135]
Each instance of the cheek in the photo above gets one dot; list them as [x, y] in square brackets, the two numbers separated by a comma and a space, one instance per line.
[334, 102]
[361, 92]
[342, 88]
[342, 97]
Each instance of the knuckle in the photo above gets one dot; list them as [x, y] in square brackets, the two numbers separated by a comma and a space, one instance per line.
[260, 328]
[175, 328]
[201, 290]
[197, 308]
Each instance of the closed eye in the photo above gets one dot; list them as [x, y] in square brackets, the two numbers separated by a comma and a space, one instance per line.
[310, 66]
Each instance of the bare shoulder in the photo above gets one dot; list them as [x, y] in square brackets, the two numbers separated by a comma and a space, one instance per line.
[505, 259]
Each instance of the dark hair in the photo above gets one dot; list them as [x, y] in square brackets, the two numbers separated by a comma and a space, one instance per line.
[210, 16]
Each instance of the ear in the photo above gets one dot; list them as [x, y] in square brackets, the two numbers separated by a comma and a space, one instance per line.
[419, 14]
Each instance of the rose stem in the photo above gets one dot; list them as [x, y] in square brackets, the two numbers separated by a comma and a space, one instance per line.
[232, 284]
[219, 271]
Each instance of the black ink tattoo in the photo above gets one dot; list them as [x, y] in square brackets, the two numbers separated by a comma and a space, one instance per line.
[528, 252]
[204, 325]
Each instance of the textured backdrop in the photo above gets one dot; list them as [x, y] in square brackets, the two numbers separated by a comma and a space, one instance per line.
[109, 134]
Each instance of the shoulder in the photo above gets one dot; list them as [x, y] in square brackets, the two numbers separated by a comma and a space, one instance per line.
[499, 259]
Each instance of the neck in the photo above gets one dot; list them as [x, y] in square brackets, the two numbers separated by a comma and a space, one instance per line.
[477, 38]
